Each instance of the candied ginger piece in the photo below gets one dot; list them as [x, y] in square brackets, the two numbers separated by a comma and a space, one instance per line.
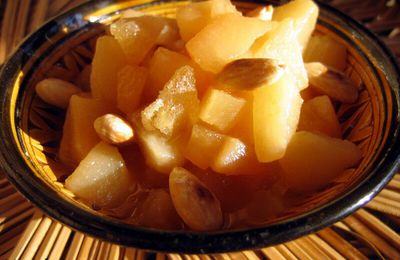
[176, 105]
[162, 67]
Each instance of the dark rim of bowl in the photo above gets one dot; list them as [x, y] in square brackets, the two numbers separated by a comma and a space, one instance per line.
[55, 206]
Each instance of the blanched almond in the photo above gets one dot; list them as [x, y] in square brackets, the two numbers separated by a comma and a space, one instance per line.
[195, 203]
[248, 74]
[113, 129]
[330, 82]
[56, 92]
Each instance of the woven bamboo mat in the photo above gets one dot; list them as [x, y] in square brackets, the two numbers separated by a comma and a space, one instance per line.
[26, 233]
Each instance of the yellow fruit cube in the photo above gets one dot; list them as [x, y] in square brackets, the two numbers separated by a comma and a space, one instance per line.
[138, 35]
[304, 13]
[220, 110]
[176, 107]
[318, 115]
[237, 158]
[311, 160]
[281, 43]
[327, 51]
[107, 61]
[79, 135]
[162, 67]
[131, 81]
[276, 112]
[102, 178]
[160, 153]
[203, 146]
[224, 39]
[195, 16]
[243, 129]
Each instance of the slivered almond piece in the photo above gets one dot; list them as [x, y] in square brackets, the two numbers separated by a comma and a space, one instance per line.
[113, 129]
[248, 74]
[263, 13]
[331, 82]
[56, 92]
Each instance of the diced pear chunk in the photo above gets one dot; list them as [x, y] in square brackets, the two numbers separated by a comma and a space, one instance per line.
[162, 67]
[224, 39]
[138, 35]
[311, 160]
[243, 129]
[195, 16]
[220, 109]
[131, 81]
[276, 112]
[161, 154]
[176, 106]
[102, 178]
[327, 51]
[203, 146]
[318, 115]
[107, 61]
[79, 135]
[237, 158]
[304, 13]
[281, 44]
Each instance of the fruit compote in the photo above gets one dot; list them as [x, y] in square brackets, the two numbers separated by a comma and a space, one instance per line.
[210, 121]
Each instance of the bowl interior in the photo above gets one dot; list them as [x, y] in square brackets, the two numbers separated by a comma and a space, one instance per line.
[37, 127]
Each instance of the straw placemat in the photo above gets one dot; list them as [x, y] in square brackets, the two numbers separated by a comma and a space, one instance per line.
[372, 232]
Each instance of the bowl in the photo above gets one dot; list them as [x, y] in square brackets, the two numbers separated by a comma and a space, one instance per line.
[30, 131]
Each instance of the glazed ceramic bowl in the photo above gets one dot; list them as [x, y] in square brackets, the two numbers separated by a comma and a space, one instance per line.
[30, 131]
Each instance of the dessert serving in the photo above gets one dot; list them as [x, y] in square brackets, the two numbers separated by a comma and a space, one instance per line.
[210, 121]
[199, 127]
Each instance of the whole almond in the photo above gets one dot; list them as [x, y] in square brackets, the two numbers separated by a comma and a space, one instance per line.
[113, 129]
[56, 92]
[248, 74]
[330, 82]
